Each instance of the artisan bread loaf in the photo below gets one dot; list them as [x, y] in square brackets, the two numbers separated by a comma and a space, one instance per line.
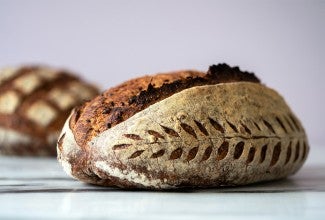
[34, 104]
[184, 129]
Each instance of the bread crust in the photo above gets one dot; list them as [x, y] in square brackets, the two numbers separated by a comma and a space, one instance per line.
[34, 104]
[120, 103]
[230, 133]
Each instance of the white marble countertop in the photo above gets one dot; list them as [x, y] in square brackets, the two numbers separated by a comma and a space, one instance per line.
[34, 188]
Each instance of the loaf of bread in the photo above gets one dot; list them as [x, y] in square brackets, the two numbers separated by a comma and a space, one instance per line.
[184, 129]
[35, 101]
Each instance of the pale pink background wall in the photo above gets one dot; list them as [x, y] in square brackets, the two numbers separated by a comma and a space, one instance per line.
[110, 41]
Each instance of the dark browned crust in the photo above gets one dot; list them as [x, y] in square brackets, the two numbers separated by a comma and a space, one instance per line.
[120, 103]
[18, 121]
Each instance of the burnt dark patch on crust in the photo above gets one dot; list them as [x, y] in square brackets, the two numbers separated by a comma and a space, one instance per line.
[117, 114]
[106, 110]
[224, 73]
[120, 103]
[220, 73]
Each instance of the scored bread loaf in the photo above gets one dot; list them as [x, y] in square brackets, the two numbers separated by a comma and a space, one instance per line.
[184, 129]
[34, 104]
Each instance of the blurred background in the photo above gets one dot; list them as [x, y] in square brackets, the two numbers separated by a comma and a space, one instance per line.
[108, 42]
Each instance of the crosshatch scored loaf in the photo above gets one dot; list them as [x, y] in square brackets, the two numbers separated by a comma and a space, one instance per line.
[34, 104]
[184, 129]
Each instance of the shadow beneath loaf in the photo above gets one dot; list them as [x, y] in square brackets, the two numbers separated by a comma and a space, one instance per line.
[311, 178]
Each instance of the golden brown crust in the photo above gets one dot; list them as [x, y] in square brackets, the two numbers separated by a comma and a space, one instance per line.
[121, 102]
[35, 101]
[205, 136]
